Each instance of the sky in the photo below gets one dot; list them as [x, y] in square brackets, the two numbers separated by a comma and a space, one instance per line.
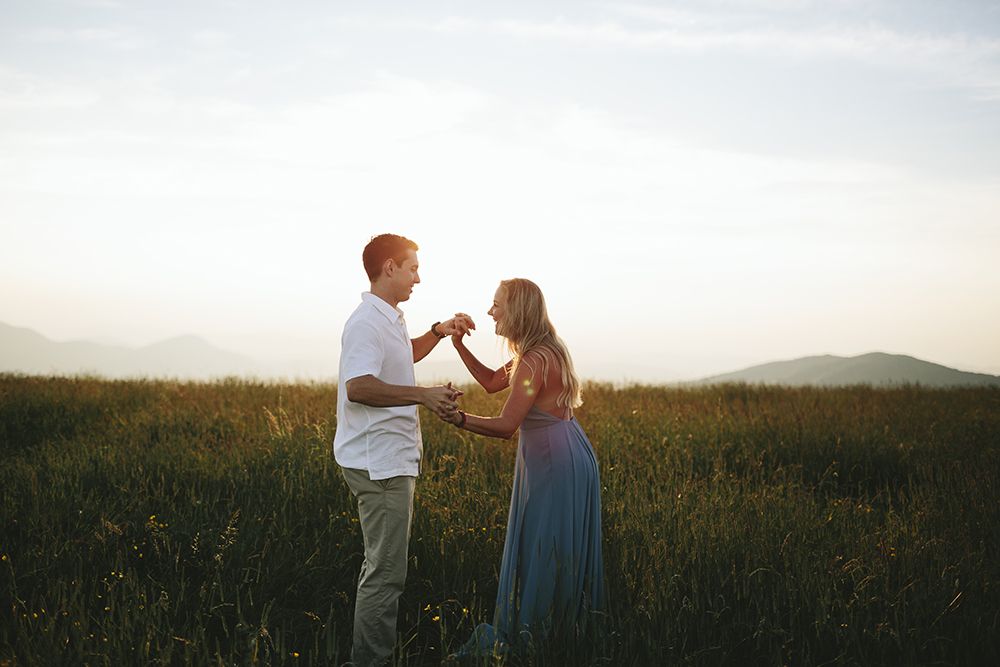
[697, 187]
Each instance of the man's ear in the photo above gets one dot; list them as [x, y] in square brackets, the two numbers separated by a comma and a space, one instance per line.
[389, 267]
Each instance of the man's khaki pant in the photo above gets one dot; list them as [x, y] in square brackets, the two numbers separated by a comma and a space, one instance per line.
[385, 508]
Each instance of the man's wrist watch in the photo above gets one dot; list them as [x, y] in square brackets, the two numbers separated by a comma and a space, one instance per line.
[435, 331]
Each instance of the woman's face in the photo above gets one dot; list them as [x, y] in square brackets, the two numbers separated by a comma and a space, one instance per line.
[499, 307]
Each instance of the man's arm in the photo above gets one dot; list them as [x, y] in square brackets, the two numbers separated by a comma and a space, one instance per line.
[369, 390]
[423, 345]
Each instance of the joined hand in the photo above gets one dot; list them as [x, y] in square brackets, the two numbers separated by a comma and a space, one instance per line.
[460, 325]
[441, 400]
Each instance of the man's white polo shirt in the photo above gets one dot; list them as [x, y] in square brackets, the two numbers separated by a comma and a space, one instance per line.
[384, 441]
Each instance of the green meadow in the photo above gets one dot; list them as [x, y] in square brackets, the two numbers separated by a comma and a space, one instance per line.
[171, 523]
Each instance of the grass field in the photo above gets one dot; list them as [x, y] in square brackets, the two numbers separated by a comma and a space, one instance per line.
[149, 522]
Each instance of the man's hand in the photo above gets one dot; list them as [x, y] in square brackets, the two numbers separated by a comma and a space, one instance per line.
[441, 399]
[369, 390]
[460, 325]
[453, 418]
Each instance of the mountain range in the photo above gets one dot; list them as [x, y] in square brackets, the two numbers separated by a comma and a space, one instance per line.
[186, 357]
[26, 351]
[875, 368]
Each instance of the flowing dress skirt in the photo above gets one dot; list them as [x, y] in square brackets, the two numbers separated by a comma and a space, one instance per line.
[552, 573]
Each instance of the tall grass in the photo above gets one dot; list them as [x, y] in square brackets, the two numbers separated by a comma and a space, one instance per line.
[153, 522]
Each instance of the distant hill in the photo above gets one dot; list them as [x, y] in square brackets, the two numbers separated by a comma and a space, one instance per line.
[189, 357]
[26, 351]
[876, 369]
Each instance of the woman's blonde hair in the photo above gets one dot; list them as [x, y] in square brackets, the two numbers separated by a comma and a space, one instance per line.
[527, 328]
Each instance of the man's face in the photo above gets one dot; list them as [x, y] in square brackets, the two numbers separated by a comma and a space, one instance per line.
[405, 276]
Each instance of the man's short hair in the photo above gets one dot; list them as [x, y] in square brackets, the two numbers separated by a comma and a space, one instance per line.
[383, 247]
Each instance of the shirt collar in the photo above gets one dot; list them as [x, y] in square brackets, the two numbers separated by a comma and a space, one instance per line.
[391, 314]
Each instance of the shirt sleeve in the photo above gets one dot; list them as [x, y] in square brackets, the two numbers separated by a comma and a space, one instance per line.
[362, 350]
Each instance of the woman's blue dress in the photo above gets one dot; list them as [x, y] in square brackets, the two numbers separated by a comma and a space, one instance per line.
[552, 573]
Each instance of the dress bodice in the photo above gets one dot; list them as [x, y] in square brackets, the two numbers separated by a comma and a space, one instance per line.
[538, 418]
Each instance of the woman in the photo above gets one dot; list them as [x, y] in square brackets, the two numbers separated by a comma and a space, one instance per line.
[552, 573]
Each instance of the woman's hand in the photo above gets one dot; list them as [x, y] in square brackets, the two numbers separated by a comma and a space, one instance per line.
[460, 325]
[453, 417]
[440, 399]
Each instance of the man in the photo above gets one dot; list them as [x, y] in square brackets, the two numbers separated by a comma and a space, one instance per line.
[378, 443]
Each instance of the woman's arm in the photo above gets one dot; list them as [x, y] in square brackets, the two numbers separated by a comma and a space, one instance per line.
[522, 396]
[491, 380]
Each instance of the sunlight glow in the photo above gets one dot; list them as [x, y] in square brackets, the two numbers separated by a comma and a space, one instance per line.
[676, 229]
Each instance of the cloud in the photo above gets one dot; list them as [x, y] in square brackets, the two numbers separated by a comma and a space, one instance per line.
[22, 90]
[961, 59]
[455, 24]
[215, 39]
[119, 38]
[729, 7]
[409, 149]
[103, 4]
[690, 32]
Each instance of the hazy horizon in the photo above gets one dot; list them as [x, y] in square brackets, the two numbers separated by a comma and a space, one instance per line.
[186, 358]
[697, 187]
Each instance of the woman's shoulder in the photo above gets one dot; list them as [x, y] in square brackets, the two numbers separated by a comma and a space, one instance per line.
[540, 354]
[543, 360]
